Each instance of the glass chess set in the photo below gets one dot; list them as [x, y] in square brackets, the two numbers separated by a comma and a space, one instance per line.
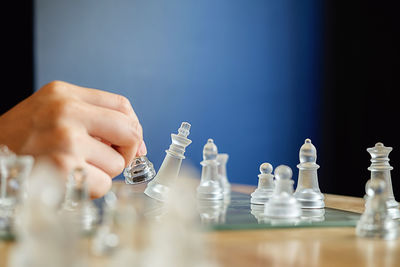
[274, 203]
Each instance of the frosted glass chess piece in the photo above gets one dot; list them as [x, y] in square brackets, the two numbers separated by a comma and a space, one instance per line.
[141, 170]
[78, 202]
[210, 186]
[211, 211]
[265, 187]
[283, 204]
[375, 221]
[222, 159]
[159, 187]
[380, 169]
[307, 191]
[46, 238]
[106, 240]
[13, 173]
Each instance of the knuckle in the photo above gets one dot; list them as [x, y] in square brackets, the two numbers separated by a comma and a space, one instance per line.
[124, 104]
[136, 129]
[61, 108]
[54, 87]
[65, 136]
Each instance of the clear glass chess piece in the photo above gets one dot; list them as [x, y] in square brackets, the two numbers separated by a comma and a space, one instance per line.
[159, 187]
[380, 169]
[78, 202]
[210, 186]
[375, 222]
[265, 186]
[141, 170]
[222, 158]
[13, 173]
[307, 192]
[106, 240]
[282, 204]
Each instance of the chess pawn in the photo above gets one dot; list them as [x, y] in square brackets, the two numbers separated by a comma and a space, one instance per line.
[282, 204]
[210, 184]
[265, 187]
[380, 169]
[375, 221]
[222, 158]
[307, 191]
[159, 187]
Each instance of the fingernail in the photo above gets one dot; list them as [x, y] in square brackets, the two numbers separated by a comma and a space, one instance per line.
[142, 149]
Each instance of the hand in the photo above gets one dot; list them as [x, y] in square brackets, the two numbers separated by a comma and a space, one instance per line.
[76, 127]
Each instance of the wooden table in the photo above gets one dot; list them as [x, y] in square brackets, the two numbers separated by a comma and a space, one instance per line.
[293, 246]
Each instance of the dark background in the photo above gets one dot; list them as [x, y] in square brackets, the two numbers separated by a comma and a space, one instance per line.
[361, 74]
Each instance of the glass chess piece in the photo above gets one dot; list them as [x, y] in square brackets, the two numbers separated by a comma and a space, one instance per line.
[265, 186]
[380, 169]
[376, 222]
[78, 202]
[159, 187]
[141, 170]
[307, 192]
[13, 172]
[282, 204]
[106, 240]
[222, 158]
[210, 186]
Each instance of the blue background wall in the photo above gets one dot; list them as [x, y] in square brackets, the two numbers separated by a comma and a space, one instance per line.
[245, 73]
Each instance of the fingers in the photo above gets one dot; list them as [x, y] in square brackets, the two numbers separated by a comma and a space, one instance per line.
[115, 128]
[104, 99]
[98, 182]
[103, 157]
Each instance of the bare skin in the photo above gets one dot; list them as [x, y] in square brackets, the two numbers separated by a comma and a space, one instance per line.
[76, 127]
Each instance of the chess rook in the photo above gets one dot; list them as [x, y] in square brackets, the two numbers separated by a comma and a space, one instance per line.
[282, 204]
[307, 191]
[375, 222]
[380, 169]
[210, 184]
[222, 159]
[159, 187]
[265, 186]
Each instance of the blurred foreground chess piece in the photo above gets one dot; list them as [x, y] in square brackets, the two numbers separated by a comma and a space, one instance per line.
[13, 173]
[78, 203]
[307, 192]
[222, 159]
[159, 187]
[380, 169]
[141, 170]
[375, 222]
[282, 204]
[45, 237]
[210, 186]
[265, 187]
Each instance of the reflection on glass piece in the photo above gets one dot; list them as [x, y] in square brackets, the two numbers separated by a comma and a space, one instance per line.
[313, 215]
[212, 211]
[141, 170]
[222, 159]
